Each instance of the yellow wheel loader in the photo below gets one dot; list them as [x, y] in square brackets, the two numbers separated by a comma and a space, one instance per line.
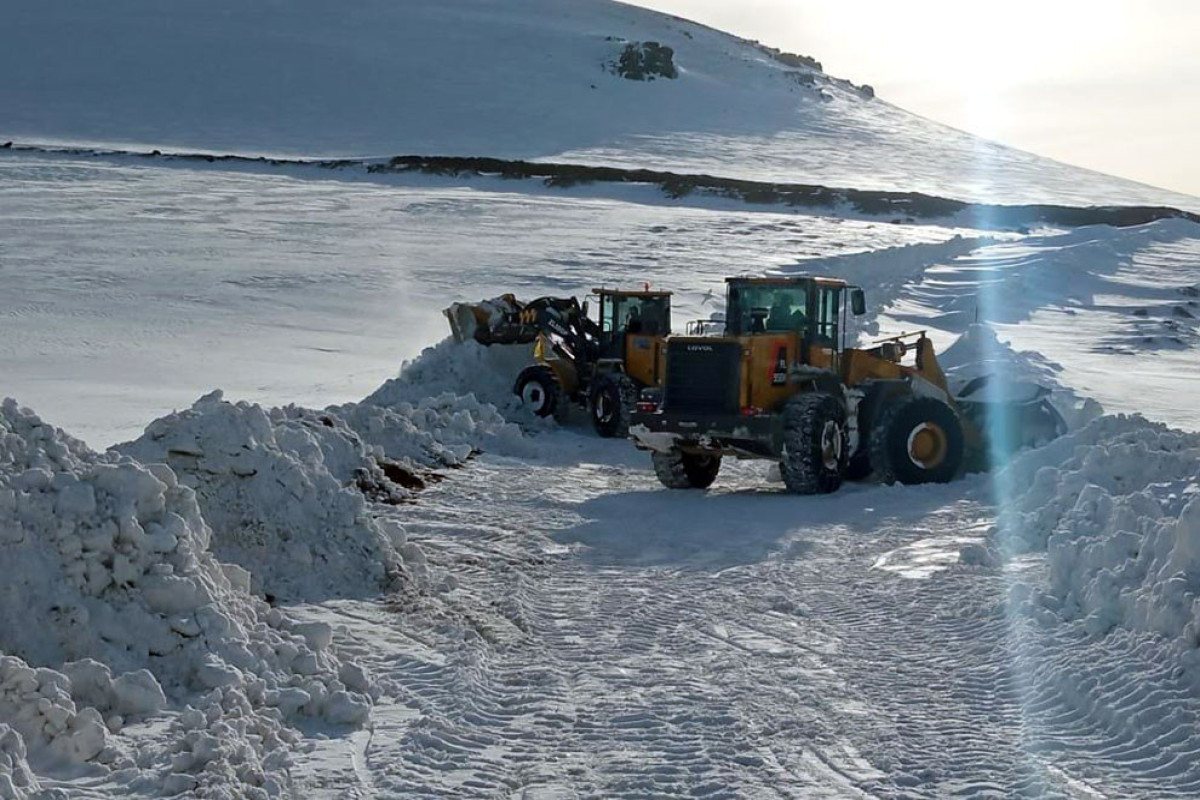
[780, 384]
[600, 364]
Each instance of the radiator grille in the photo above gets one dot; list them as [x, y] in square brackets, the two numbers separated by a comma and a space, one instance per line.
[702, 377]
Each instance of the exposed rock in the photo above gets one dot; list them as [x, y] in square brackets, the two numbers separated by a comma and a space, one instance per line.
[645, 61]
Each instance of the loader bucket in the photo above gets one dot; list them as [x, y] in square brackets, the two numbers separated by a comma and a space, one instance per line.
[1009, 416]
[462, 321]
[495, 321]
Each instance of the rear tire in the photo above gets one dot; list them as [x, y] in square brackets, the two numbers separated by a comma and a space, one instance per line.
[917, 440]
[613, 399]
[539, 390]
[678, 470]
[815, 444]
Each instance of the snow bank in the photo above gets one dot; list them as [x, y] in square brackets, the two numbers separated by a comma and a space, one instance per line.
[38, 704]
[283, 490]
[979, 351]
[453, 400]
[486, 373]
[113, 608]
[17, 781]
[886, 271]
[1116, 505]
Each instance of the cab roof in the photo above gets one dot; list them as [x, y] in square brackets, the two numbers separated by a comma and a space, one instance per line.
[797, 280]
[632, 292]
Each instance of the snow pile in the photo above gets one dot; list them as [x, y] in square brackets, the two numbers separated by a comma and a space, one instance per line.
[17, 781]
[453, 400]
[110, 560]
[979, 352]
[1117, 507]
[38, 704]
[283, 490]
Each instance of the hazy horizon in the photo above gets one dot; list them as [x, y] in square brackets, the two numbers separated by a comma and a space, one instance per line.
[1104, 84]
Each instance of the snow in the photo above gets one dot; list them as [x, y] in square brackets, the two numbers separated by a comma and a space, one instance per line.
[452, 401]
[1115, 507]
[978, 352]
[1085, 305]
[17, 781]
[283, 491]
[112, 558]
[142, 284]
[527, 79]
[337, 578]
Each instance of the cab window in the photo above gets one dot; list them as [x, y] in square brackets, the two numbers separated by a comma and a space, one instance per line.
[645, 315]
[827, 306]
[767, 309]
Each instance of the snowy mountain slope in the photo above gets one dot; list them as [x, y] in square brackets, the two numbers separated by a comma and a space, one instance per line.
[525, 78]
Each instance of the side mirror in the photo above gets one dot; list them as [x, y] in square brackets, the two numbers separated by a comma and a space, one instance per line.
[858, 302]
[585, 308]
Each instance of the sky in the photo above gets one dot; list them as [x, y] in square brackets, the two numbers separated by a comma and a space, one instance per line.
[1112, 85]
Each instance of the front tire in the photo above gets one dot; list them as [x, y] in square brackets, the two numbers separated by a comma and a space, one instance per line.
[917, 440]
[678, 470]
[539, 390]
[611, 405]
[815, 444]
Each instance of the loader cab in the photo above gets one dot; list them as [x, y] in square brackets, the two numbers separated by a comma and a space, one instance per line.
[632, 327]
[810, 308]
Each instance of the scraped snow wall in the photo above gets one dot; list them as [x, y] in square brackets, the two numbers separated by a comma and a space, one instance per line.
[113, 608]
[1116, 506]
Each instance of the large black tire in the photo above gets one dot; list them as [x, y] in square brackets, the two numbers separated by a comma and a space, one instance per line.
[815, 445]
[917, 440]
[679, 470]
[611, 404]
[539, 390]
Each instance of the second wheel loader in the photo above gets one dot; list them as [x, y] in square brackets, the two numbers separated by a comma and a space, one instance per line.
[780, 384]
[601, 364]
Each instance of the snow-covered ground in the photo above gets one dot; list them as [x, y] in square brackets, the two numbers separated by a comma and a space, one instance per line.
[622, 641]
[136, 287]
[340, 578]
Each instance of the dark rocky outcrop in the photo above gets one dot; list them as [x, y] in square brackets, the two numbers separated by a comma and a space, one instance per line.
[645, 61]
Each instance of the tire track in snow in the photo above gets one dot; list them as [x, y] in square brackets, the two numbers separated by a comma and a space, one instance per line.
[801, 671]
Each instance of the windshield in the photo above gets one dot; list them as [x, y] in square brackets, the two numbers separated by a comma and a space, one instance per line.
[763, 309]
[646, 315]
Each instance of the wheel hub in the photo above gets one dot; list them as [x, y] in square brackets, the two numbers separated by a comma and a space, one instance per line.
[927, 445]
[533, 396]
[604, 408]
[831, 445]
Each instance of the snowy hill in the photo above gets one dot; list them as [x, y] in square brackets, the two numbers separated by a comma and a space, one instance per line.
[524, 78]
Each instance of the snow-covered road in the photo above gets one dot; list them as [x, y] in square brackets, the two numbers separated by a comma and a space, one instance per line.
[609, 638]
